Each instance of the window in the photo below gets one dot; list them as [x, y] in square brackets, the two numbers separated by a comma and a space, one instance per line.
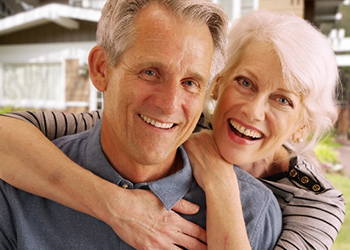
[32, 85]
[99, 100]
[227, 6]
[96, 98]
[237, 8]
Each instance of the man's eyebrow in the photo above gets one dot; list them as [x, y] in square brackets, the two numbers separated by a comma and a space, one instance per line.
[199, 77]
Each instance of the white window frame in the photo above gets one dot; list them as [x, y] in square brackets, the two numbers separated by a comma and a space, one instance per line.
[47, 53]
[56, 103]
[237, 8]
[95, 101]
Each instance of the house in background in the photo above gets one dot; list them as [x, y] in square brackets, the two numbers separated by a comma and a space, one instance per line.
[43, 54]
[44, 45]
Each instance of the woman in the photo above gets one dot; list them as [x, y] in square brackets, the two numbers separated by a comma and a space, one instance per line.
[276, 89]
[275, 99]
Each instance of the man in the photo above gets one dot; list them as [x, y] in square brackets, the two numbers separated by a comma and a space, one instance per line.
[153, 62]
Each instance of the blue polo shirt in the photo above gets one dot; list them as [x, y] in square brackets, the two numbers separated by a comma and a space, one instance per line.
[31, 222]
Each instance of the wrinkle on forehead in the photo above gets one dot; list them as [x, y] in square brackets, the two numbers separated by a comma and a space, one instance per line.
[153, 24]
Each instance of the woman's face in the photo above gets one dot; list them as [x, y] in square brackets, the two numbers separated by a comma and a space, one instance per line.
[255, 112]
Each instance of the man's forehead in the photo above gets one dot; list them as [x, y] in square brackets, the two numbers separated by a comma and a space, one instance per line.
[171, 44]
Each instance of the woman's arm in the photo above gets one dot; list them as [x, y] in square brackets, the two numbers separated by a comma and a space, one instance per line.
[225, 221]
[54, 124]
[313, 209]
[29, 161]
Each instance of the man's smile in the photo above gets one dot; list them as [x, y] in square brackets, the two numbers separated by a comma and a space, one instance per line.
[157, 124]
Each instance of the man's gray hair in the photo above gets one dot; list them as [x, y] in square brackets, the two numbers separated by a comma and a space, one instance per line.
[115, 30]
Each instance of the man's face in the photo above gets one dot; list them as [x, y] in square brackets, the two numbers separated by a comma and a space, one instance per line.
[154, 95]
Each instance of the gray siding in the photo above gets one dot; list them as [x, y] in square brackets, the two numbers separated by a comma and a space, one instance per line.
[51, 33]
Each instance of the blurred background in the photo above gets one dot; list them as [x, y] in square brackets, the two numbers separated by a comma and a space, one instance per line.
[44, 46]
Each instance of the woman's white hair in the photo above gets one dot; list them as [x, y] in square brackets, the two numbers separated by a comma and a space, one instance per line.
[308, 63]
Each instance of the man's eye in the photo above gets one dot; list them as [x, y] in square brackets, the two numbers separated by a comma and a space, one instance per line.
[191, 86]
[149, 72]
[149, 75]
[245, 83]
[189, 83]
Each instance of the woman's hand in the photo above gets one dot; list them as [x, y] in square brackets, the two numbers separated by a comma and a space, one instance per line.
[142, 221]
[225, 223]
[207, 164]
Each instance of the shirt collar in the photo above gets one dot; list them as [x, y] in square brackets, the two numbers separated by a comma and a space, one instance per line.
[169, 189]
[173, 188]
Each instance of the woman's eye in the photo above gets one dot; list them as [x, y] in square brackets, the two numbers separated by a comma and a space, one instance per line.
[285, 101]
[243, 82]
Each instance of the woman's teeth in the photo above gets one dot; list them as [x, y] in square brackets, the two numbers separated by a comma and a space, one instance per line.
[247, 132]
[157, 124]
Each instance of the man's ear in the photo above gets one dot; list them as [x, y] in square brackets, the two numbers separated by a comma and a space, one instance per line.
[98, 66]
[215, 92]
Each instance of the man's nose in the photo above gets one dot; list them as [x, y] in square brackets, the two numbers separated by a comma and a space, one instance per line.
[169, 97]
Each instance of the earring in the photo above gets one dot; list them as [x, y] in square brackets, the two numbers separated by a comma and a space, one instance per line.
[212, 96]
[299, 140]
[296, 139]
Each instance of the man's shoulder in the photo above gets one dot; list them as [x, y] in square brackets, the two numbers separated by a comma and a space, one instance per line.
[74, 146]
[245, 179]
[261, 211]
[71, 139]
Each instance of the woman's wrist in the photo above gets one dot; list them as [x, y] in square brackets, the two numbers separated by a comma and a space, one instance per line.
[105, 206]
[223, 179]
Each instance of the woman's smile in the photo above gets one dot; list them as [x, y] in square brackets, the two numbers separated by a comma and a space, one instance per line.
[241, 131]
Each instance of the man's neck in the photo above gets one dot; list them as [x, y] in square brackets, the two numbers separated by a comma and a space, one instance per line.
[137, 172]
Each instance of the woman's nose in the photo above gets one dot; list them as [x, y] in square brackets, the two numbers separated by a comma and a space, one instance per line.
[255, 109]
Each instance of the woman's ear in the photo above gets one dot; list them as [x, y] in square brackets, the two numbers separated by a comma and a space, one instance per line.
[98, 66]
[215, 92]
[300, 135]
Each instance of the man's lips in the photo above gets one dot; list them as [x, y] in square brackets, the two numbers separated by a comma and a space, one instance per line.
[157, 124]
[243, 132]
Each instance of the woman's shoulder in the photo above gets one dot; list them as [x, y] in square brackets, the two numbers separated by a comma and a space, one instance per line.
[302, 175]
[304, 184]
[311, 206]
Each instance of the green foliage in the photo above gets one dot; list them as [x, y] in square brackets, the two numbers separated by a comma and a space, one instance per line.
[342, 183]
[5, 110]
[326, 154]
[325, 151]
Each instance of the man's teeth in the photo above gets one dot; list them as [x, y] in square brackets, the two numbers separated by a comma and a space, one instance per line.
[157, 124]
[245, 131]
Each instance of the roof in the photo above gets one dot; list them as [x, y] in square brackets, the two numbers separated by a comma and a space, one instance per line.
[63, 15]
